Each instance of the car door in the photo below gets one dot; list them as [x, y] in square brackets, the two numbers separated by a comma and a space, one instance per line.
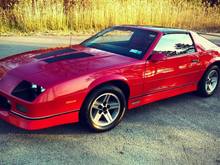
[177, 69]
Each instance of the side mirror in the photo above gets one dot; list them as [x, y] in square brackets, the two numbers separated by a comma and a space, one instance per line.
[158, 57]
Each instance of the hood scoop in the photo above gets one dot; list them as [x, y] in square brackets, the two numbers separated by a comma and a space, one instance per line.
[54, 53]
[68, 57]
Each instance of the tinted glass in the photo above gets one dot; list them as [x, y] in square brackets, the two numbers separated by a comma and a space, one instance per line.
[175, 44]
[129, 42]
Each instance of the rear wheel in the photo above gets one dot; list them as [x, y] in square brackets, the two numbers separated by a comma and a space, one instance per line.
[210, 81]
[104, 108]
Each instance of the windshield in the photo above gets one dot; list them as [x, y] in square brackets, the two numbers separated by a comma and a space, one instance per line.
[125, 41]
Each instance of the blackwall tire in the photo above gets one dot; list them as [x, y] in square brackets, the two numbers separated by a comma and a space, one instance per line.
[104, 108]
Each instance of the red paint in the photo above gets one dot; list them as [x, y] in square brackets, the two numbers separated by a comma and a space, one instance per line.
[68, 82]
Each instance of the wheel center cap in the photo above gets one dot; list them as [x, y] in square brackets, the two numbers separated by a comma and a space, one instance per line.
[104, 108]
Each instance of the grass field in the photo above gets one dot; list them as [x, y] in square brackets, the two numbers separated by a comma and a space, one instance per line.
[87, 16]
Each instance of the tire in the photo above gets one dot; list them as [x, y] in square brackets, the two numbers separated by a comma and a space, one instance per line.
[209, 82]
[103, 109]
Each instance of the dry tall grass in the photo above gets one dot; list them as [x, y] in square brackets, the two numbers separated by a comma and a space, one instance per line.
[93, 15]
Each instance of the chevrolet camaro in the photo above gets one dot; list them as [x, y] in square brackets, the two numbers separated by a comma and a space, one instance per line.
[97, 81]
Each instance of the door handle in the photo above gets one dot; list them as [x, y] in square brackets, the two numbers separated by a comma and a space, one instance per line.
[195, 61]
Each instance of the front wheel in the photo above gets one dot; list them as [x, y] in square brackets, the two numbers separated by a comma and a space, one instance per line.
[104, 108]
[210, 81]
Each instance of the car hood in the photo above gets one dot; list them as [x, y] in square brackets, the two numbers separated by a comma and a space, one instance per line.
[50, 67]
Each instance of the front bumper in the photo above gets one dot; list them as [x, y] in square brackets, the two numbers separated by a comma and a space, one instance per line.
[40, 123]
[34, 116]
[25, 121]
[37, 114]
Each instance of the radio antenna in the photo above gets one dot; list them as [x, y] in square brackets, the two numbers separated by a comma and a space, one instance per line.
[70, 38]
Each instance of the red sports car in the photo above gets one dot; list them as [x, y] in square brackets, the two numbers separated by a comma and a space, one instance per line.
[95, 82]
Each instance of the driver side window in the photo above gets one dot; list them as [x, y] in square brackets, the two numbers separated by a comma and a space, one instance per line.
[175, 44]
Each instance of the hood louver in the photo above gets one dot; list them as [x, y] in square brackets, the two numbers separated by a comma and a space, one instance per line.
[68, 57]
[54, 53]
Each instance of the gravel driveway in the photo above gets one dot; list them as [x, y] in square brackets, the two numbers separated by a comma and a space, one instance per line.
[180, 130]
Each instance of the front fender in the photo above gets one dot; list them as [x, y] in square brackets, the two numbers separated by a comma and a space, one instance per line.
[106, 79]
[72, 96]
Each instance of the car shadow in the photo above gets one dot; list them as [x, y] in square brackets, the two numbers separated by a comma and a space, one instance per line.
[143, 114]
[63, 129]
